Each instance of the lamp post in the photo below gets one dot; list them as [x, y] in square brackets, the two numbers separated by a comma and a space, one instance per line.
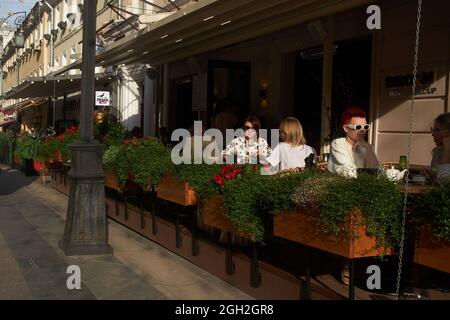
[86, 230]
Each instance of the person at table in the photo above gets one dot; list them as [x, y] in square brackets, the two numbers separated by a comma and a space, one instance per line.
[440, 163]
[292, 151]
[250, 146]
[352, 151]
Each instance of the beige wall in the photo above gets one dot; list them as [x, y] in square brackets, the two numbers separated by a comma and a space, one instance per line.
[396, 42]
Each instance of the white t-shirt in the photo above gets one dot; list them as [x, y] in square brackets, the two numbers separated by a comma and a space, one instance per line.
[285, 156]
[343, 157]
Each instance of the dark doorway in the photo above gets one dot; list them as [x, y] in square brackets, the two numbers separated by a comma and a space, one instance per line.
[182, 115]
[228, 81]
[351, 79]
[308, 94]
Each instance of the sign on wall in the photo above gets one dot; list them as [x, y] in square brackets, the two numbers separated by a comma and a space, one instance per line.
[400, 85]
[102, 98]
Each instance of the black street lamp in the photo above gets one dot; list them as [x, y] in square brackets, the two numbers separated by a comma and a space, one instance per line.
[86, 230]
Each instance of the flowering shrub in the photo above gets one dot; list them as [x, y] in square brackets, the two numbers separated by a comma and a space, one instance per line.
[227, 172]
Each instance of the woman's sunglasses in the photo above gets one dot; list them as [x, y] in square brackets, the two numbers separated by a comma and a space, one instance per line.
[358, 127]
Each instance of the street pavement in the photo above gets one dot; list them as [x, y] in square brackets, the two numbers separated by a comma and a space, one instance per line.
[33, 267]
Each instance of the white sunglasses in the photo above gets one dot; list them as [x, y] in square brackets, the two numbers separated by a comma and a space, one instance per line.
[358, 127]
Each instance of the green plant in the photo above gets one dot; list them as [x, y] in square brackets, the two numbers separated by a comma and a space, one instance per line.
[433, 208]
[148, 161]
[115, 160]
[109, 132]
[7, 138]
[27, 145]
[377, 199]
[251, 199]
[199, 177]
[68, 137]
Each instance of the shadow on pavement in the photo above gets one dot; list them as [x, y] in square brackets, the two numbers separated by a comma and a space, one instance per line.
[12, 180]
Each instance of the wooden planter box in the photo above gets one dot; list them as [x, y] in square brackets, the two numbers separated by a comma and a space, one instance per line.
[213, 215]
[178, 192]
[432, 252]
[111, 181]
[300, 226]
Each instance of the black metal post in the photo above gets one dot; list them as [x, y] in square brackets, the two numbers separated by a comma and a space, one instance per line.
[254, 269]
[229, 265]
[125, 200]
[86, 230]
[153, 208]
[307, 291]
[351, 287]
[178, 231]
[194, 231]
[141, 207]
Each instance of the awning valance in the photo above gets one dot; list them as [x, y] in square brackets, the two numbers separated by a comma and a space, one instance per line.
[52, 86]
[7, 123]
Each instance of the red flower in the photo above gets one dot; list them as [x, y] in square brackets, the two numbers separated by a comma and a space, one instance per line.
[126, 142]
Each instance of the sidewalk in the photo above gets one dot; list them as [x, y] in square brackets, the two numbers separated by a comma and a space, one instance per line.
[32, 266]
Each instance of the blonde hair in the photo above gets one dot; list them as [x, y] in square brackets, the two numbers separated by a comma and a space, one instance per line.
[292, 131]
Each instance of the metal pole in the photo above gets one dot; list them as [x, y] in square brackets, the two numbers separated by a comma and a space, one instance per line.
[86, 230]
[17, 62]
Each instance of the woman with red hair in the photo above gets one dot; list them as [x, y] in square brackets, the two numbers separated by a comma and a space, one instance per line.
[352, 151]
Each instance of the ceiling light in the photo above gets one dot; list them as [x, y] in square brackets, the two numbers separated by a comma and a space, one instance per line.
[209, 18]
[164, 36]
[226, 22]
[179, 40]
[131, 50]
[145, 52]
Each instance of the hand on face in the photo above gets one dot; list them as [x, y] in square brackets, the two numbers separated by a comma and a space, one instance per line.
[360, 143]
[446, 142]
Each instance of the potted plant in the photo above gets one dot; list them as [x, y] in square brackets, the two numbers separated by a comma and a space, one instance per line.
[432, 215]
[116, 166]
[148, 161]
[351, 218]
[186, 184]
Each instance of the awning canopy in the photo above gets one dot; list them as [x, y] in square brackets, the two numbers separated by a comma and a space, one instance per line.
[52, 86]
[212, 24]
[7, 123]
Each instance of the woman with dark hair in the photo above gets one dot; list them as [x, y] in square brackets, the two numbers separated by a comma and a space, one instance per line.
[352, 151]
[251, 145]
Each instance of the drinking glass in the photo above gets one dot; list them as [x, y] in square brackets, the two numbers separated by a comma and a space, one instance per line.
[403, 162]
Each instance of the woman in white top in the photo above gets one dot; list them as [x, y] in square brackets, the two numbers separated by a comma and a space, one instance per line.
[440, 163]
[352, 151]
[292, 151]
